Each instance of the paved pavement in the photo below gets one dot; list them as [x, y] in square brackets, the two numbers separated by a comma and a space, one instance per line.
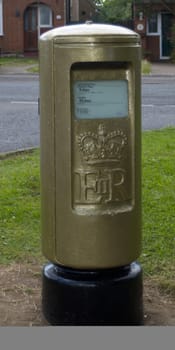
[8, 69]
[163, 69]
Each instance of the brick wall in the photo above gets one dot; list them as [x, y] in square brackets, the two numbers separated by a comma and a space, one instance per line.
[151, 43]
[82, 10]
[86, 10]
[13, 22]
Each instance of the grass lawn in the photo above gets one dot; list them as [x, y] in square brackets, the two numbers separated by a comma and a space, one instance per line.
[19, 210]
[158, 162]
[146, 67]
[20, 207]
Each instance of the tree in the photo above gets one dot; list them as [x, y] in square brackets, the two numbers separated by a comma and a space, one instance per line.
[146, 5]
[113, 11]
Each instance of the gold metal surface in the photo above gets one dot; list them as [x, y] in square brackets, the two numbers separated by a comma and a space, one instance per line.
[90, 168]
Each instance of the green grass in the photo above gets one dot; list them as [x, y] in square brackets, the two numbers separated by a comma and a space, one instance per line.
[20, 207]
[19, 210]
[158, 161]
[146, 67]
[18, 61]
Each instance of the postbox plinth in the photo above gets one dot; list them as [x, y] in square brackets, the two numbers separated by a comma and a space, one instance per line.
[106, 297]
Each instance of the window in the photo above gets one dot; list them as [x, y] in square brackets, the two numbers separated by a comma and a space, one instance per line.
[45, 15]
[153, 24]
[1, 19]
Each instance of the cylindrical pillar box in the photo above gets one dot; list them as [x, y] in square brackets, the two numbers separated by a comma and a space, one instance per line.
[90, 167]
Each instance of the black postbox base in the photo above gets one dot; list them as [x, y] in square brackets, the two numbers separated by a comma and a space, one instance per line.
[102, 297]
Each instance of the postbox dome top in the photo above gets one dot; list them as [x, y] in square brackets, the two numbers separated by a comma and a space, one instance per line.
[90, 30]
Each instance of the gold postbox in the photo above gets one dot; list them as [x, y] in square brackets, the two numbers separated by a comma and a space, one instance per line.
[90, 146]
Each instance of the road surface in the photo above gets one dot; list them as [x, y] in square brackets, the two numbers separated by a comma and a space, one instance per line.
[19, 120]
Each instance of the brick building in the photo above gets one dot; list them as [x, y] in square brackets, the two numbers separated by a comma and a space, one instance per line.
[154, 21]
[22, 21]
[82, 10]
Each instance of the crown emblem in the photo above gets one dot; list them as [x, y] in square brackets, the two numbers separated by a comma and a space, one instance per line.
[102, 146]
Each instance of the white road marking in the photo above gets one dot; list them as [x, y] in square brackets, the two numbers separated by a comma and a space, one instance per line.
[164, 106]
[143, 105]
[147, 105]
[25, 102]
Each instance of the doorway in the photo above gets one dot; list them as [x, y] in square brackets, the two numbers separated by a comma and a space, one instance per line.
[166, 21]
[37, 19]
